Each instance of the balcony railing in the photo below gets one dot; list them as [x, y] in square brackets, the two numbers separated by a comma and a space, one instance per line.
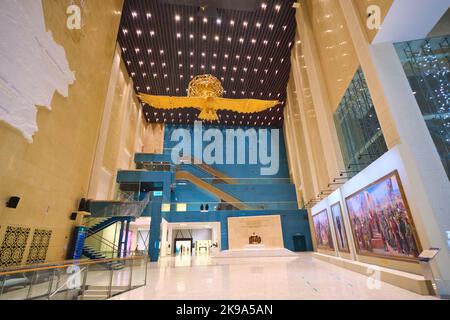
[74, 280]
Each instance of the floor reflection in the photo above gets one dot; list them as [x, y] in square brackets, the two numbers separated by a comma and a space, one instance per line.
[300, 277]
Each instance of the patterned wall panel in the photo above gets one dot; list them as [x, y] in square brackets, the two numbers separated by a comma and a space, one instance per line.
[13, 246]
[39, 246]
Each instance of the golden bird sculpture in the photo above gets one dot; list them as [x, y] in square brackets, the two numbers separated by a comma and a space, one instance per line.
[205, 94]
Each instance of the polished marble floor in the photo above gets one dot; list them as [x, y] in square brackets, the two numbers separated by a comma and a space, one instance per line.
[300, 277]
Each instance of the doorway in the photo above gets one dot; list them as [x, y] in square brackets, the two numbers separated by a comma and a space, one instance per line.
[299, 243]
[183, 246]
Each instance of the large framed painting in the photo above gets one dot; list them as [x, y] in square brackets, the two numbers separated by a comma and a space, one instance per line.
[323, 231]
[381, 221]
[339, 228]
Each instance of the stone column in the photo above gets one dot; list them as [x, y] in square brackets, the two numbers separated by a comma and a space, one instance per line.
[103, 133]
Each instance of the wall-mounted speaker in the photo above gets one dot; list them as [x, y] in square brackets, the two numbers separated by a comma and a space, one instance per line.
[82, 204]
[13, 202]
[73, 216]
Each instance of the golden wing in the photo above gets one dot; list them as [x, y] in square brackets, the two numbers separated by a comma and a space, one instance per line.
[243, 105]
[166, 102]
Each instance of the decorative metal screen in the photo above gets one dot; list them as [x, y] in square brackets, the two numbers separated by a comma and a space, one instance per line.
[358, 128]
[427, 65]
[13, 246]
[39, 246]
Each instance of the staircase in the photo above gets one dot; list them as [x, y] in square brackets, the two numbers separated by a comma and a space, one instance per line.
[184, 175]
[103, 224]
[101, 292]
[94, 254]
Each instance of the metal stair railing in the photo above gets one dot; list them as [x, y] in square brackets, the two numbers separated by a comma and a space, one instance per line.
[128, 208]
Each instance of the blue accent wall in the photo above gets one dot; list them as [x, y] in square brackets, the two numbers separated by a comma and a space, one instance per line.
[232, 170]
[293, 222]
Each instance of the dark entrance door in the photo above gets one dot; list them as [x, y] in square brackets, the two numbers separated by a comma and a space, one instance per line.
[299, 243]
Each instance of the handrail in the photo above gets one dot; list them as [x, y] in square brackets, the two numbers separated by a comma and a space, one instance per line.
[35, 265]
[103, 240]
[114, 208]
[88, 262]
[184, 175]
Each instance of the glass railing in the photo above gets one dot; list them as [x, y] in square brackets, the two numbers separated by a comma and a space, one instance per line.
[228, 206]
[153, 166]
[75, 280]
[249, 181]
[127, 207]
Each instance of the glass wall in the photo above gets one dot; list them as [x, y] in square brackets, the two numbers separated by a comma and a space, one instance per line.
[427, 65]
[359, 131]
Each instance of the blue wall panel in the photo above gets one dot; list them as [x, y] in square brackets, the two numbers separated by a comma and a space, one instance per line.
[233, 170]
[293, 222]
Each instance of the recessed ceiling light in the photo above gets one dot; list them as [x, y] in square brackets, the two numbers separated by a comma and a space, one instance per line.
[177, 18]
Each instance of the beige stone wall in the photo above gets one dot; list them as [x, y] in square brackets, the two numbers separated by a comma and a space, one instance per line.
[153, 141]
[334, 46]
[267, 227]
[52, 173]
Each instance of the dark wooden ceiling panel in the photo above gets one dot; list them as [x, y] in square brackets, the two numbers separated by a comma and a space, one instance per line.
[164, 46]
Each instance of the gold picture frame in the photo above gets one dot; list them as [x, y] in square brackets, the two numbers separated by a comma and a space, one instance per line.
[319, 220]
[388, 226]
[341, 234]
